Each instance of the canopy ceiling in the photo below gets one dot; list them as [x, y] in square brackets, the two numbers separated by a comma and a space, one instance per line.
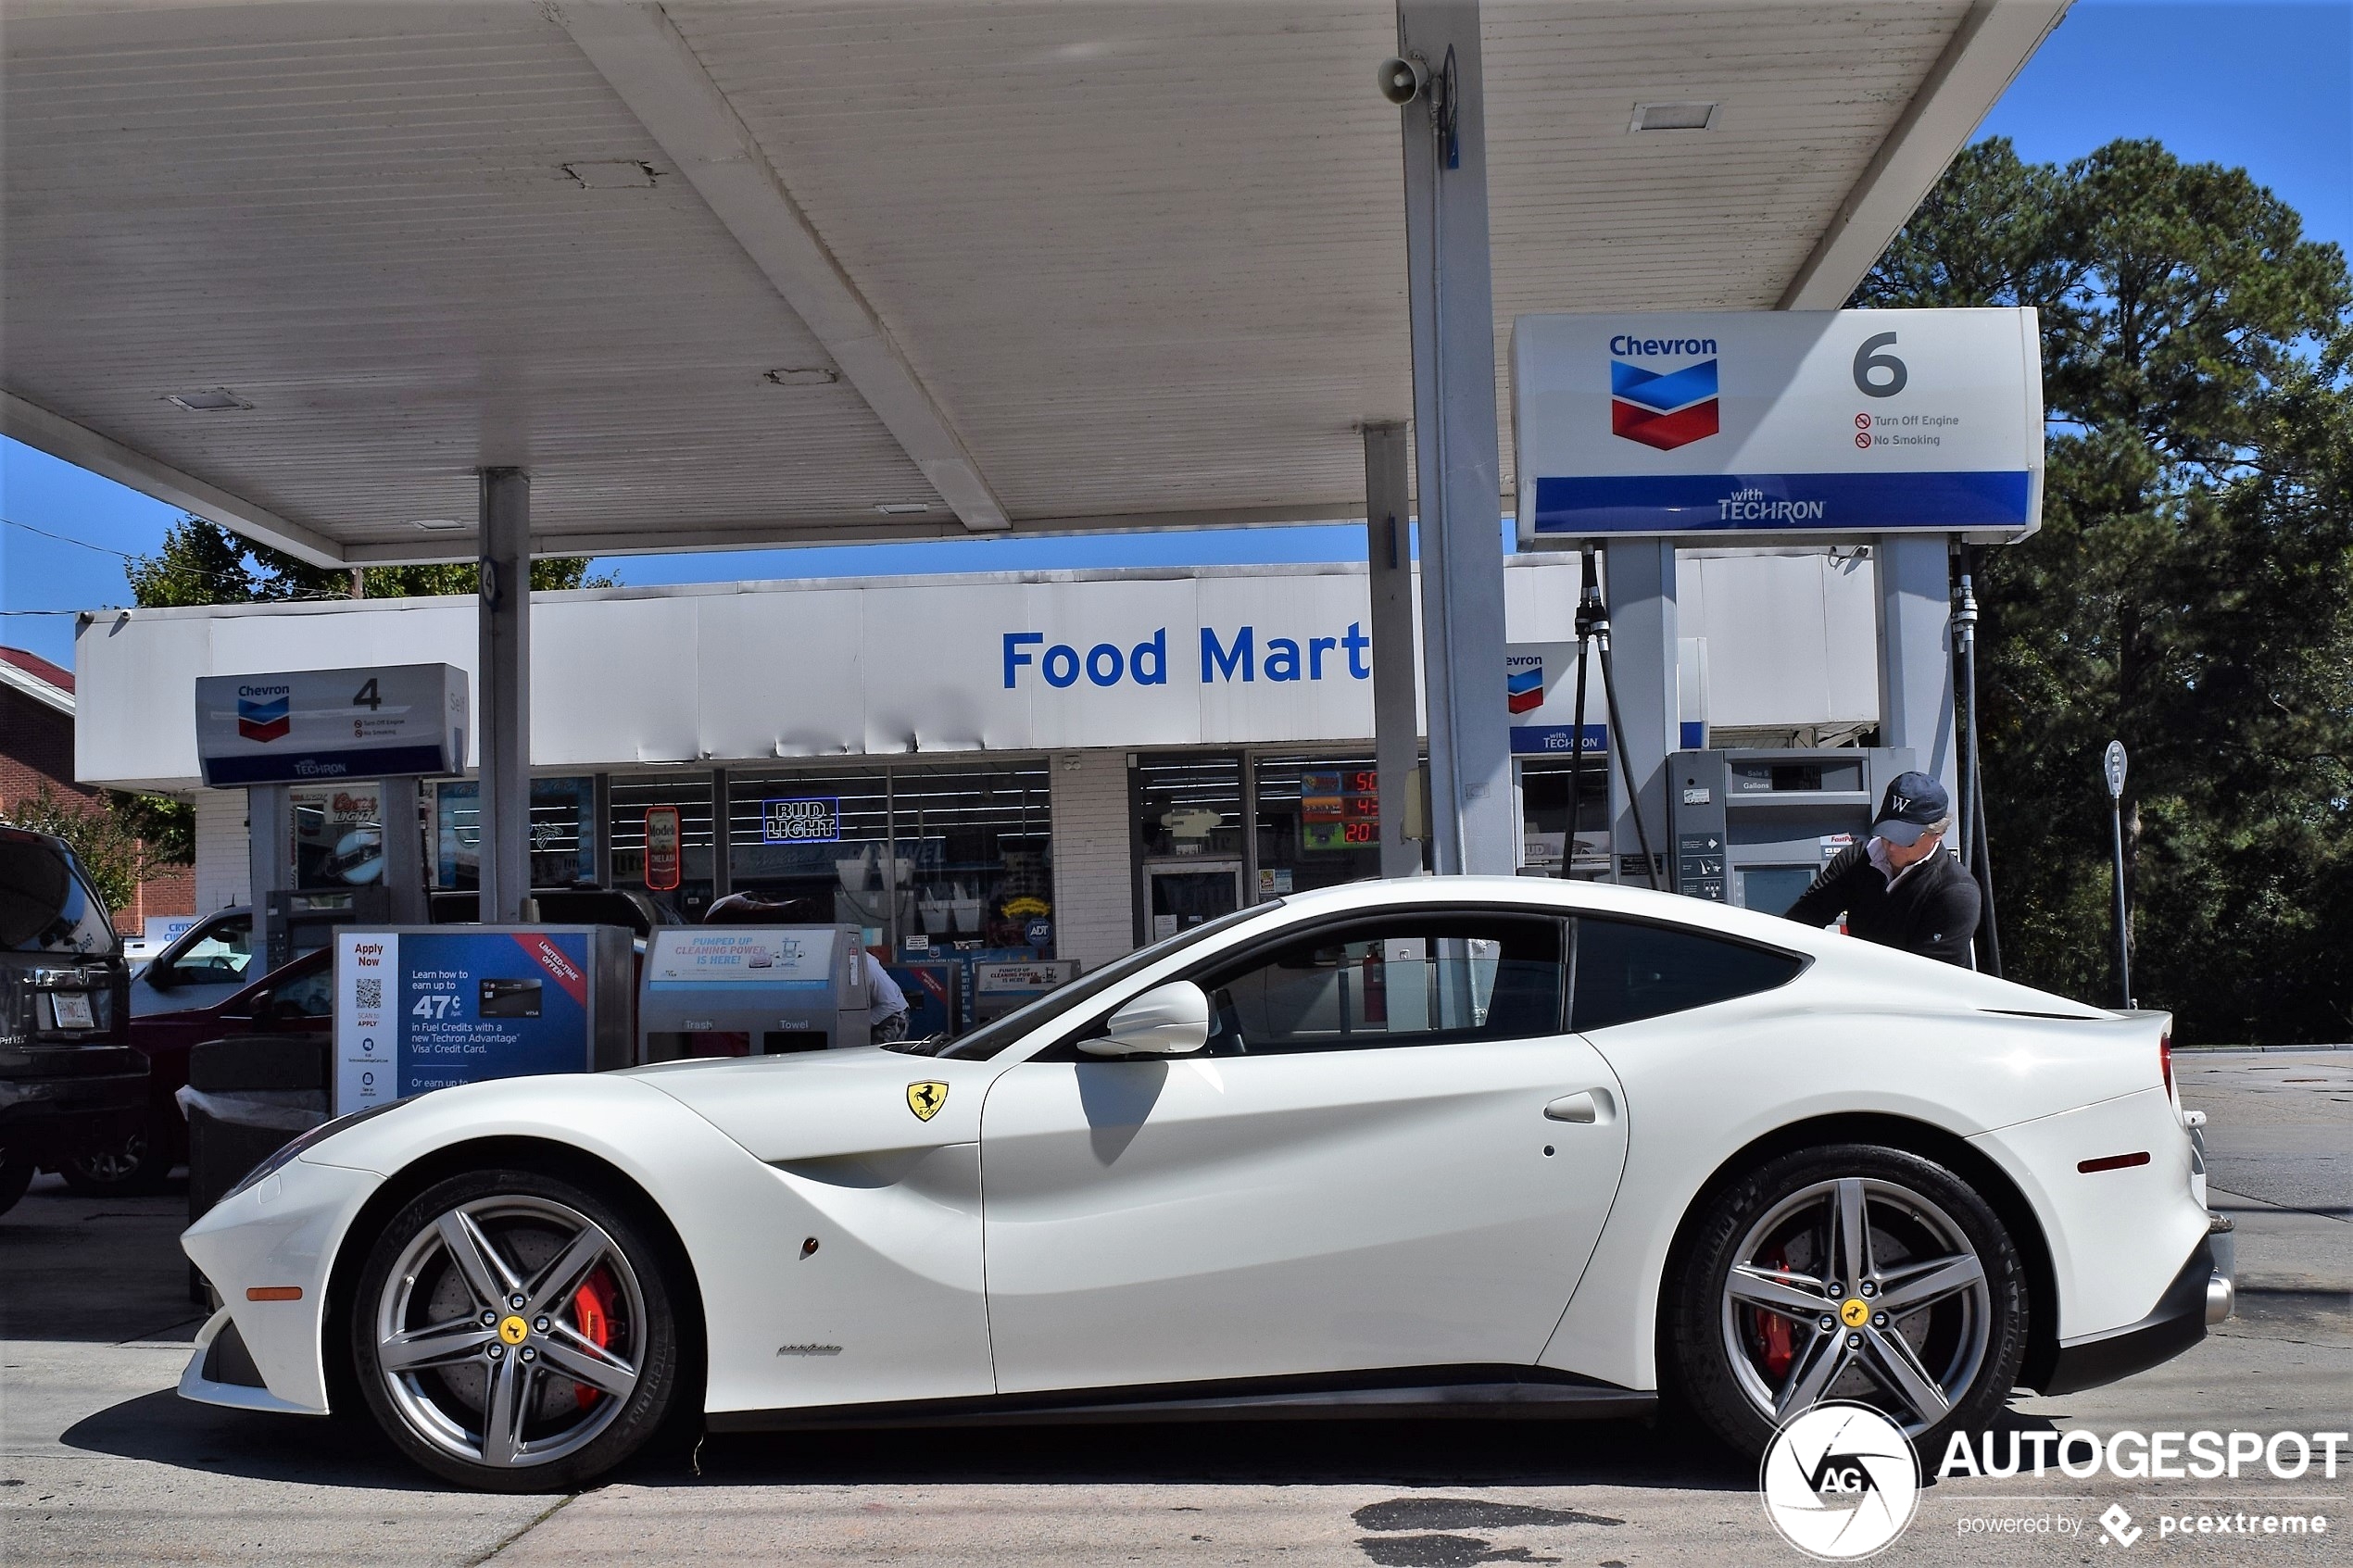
[732, 275]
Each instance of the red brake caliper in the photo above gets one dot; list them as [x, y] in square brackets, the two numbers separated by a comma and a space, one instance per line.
[1781, 1344]
[588, 1314]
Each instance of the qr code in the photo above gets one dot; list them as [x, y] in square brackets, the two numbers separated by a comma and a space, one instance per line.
[368, 993]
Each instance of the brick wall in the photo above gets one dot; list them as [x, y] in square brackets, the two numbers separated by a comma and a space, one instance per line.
[1094, 877]
[36, 747]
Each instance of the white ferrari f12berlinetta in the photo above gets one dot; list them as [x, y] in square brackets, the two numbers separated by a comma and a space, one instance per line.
[1436, 1146]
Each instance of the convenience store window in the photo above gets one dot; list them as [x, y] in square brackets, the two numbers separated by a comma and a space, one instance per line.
[1544, 816]
[563, 846]
[927, 857]
[631, 797]
[1318, 823]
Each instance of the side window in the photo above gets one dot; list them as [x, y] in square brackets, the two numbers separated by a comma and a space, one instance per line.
[309, 995]
[1408, 980]
[218, 955]
[1626, 971]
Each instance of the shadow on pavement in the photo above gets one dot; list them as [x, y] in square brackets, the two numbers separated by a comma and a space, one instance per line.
[1412, 1453]
[163, 1428]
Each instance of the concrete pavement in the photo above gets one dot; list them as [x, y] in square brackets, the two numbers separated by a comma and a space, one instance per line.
[101, 1463]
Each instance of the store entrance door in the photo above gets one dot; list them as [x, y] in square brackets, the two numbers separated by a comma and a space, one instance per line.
[1183, 896]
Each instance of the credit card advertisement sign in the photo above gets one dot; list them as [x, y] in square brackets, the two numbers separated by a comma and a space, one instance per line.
[417, 1011]
[1777, 423]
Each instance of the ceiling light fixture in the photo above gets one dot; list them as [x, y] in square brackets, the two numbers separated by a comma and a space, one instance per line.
[436, 524]
[1673, 117]
[210, 401]
[815, 375]
[903, 509]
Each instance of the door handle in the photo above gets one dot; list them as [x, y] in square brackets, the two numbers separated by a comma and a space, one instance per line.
[1579, 1107]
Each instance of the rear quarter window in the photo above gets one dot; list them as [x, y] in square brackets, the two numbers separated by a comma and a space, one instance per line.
[1627, 971]
[45, 906]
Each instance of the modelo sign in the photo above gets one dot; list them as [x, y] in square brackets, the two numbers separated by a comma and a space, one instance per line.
[1778, 424]
[314, 726]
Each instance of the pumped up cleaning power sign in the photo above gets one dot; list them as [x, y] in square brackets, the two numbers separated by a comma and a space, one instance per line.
[419, 1008]
[1779, 424]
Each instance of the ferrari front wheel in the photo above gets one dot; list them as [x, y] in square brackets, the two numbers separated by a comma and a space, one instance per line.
[514, 1332]
[1852, 1272]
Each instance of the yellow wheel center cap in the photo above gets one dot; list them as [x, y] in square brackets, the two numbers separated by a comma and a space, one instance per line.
[1855, 1312]
[514, 1331]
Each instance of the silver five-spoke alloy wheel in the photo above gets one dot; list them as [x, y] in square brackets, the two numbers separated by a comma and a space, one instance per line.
[510, 1332]
[1856, 1288]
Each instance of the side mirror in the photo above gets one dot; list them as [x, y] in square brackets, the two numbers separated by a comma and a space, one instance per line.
[1171, 1020]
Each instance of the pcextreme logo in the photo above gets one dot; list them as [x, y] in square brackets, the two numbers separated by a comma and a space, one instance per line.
[1662, 408]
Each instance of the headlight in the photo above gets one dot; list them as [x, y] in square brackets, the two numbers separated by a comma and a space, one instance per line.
[301, 1141]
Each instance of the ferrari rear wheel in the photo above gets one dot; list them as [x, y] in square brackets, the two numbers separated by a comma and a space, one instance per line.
[514, 1332]
[1849, 1272]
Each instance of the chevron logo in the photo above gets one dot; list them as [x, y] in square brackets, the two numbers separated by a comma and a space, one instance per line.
[265, 719]
[1663, 410]
[1523, 689]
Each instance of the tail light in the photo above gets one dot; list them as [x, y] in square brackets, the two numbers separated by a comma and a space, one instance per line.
[2164, 1061]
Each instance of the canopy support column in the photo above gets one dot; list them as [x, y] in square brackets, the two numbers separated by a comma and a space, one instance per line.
[1389, 547]
[1640, 585]
[1915, 655]
[1472, 818]
[502, 680]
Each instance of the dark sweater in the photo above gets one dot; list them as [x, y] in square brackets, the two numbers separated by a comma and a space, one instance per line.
[1931, 909]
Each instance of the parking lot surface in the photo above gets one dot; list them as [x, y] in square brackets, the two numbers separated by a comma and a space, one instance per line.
[101, 1462]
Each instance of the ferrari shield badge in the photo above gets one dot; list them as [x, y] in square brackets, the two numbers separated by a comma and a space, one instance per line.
[926, 1098]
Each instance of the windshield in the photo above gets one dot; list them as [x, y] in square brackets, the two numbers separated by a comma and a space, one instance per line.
[990, 1038]
[46, 907]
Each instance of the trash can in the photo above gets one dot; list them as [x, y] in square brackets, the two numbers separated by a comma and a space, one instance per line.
[246, 1096]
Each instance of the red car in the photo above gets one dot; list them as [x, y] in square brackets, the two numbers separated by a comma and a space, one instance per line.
[298, 998]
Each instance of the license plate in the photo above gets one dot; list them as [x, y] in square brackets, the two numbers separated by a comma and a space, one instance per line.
[73, 1010]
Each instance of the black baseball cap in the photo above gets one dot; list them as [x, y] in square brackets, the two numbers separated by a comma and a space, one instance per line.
[1913, 804]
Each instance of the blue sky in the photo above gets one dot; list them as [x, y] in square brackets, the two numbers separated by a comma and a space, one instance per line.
[2269, 87]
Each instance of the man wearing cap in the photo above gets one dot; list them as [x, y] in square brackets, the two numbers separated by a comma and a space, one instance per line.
[1900, 887]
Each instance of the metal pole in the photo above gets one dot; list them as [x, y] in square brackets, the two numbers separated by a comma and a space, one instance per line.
[2112, 764]
[268, 856]
[404, 870]
[1625, 757]
[2123, 916]
[1915, 663]
[503, 687]
[722, 877]
[1396, 717]
[1450, 297]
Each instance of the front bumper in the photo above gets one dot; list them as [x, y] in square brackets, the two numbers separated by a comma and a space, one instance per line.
[50, 1120]
[2201, 1294]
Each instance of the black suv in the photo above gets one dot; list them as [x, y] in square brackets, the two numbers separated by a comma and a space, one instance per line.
[68, 1079]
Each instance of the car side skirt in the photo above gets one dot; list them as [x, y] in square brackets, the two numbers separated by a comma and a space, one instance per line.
[1405, 1393]
[2178, 1323]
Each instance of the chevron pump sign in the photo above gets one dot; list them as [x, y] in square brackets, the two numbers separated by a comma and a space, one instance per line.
[320, 726]
[1785, 425]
